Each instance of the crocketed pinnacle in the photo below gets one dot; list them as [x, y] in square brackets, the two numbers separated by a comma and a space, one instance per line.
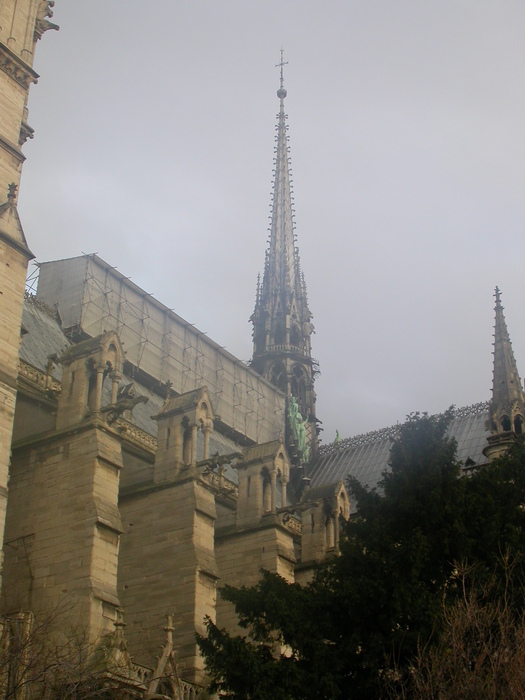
[507, 392]
[10, 224]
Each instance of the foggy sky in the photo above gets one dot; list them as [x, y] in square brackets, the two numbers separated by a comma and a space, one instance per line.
[154, 134]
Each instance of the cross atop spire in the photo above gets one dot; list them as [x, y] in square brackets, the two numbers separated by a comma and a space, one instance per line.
[281, 66]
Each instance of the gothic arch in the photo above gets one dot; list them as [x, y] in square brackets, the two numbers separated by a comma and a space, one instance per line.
[299, 385]
[279, 336]
[113, 359]
[295, 336]
[277, 376]
[505, 424]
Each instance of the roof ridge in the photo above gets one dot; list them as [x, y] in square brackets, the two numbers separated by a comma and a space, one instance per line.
[392, 430]
[40, 305]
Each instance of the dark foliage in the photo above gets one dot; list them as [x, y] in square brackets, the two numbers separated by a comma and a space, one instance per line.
[368, 612]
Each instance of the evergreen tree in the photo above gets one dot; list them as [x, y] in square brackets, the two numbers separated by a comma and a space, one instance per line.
[363, 619]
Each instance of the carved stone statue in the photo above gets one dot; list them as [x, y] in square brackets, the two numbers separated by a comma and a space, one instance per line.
[41, 23]
[126, 401]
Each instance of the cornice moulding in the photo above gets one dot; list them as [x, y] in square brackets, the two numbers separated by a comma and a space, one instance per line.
[16, 68]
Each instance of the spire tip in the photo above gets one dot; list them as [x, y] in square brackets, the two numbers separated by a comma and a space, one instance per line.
[281, 92]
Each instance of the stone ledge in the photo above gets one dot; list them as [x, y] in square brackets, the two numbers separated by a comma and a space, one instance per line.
[16, 68]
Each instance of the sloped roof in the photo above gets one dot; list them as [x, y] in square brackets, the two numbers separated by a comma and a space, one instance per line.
[366, 456]
[267, 449]
[42, 336]
[328, 491]
[184, 402]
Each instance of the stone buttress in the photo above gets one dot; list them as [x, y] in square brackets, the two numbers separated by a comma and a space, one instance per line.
[263, 535]
[63, 525]
[167, 559]
[22, 23]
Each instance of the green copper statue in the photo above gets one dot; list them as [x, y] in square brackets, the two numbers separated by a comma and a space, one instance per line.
[298, 429]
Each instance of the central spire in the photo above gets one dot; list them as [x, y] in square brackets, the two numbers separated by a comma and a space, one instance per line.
[282, 277]
[281, 319]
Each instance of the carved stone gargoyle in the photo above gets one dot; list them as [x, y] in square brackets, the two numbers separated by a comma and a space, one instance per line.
[41, 23]
[126, 401]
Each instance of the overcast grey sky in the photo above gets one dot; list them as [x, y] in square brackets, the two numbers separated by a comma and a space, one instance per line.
[154, 143]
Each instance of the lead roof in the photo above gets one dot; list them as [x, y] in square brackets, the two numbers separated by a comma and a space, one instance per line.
[366, 456]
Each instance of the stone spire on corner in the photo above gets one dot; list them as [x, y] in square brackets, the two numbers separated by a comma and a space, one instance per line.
[507, 406]
[11, 229]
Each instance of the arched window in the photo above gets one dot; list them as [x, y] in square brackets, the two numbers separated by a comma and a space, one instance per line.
[518, 425]
[298, 388]
[279, 337]
[111, 357]
[295, 336]
[277, 376]
[342, 504]
[505, 424]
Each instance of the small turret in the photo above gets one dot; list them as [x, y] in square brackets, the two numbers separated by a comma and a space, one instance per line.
[179, 420]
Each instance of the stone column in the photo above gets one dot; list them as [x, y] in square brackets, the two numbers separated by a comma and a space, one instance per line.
[273, 491]
[115, 378]
[206, 431]
[98, 394]
[284, 482]
[193, 458]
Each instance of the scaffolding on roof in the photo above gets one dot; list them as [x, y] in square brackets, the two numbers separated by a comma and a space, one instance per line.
[161, 344]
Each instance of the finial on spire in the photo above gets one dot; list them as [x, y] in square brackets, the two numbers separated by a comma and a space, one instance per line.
[281, 92]
[497, 294]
